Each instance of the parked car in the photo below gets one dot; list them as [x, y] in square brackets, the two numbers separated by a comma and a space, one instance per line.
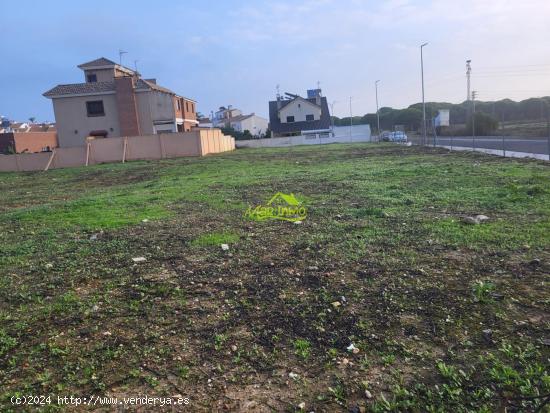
[385, 136]
[398, 136]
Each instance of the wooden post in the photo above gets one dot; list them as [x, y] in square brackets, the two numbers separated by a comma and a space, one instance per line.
[161, 146]
[50, 160]
[17, 162]
[124, 151]
[88, 152]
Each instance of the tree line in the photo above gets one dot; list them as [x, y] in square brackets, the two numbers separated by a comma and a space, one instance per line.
[505, 110]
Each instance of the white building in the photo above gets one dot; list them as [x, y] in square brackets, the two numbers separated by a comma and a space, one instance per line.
[231, 117]
[256, 125]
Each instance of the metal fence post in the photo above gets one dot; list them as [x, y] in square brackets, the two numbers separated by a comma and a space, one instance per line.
[503, 146]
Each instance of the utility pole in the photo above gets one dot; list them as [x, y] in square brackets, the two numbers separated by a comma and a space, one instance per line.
[468, 72]
[377, 111]
[474, 95]
[350, 117]
[423, 102]
[332, 115]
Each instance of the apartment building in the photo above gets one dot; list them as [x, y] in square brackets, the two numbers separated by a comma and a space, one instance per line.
[116, 101]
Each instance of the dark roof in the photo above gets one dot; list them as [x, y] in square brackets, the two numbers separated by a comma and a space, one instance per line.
[81, 88]
[98, 62]
[100, 87]
[240, 118]
[277, 127]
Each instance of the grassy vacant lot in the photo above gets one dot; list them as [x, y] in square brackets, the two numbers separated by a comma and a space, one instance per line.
[445, 316]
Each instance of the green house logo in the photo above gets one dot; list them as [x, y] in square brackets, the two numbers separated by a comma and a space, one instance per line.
[284, 207]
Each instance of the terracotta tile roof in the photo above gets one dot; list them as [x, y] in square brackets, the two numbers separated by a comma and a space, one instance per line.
[98, 62]
[81, 89]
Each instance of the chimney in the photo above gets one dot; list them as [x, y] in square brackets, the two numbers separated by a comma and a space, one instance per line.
[127, 106]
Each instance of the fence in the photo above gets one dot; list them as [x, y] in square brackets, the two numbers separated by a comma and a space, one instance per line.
[199, 142]
[507, 146]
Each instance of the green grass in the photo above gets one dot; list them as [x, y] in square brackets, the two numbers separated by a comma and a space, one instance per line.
[446, 316]
[215, 239]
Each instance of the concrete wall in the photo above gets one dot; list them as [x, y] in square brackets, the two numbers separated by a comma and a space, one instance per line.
[73, 123]
[103, 75]
[196, 143]
[299, 109]
[299, 140]
[156, 112]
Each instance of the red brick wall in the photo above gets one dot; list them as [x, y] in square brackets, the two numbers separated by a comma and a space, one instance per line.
[34, 141]
[127, 106]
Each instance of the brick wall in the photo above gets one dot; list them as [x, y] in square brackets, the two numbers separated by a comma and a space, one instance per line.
[35, 141]
[127, 106]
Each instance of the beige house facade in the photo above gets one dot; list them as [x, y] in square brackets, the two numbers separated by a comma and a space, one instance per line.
[115, 101]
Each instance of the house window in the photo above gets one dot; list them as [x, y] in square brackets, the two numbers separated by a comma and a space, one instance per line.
[92, 78]
[95, 108]
[309, 117]
[290, 119]
[178, 104]
[186, 106]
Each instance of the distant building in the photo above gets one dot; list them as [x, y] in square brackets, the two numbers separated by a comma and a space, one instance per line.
[115, 101]
[233, 118]
[256, 125]
[295, 115]
[205, 123]
[223, 115]
[19, 127]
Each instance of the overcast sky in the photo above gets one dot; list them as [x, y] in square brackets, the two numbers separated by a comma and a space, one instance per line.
[236, 52]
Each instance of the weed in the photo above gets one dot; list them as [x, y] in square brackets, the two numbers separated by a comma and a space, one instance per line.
[302, 348]
[482, 291]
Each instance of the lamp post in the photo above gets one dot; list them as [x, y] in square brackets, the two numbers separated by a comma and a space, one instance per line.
[332, 115]
[423, 102]
[350, 118]
[377, 112]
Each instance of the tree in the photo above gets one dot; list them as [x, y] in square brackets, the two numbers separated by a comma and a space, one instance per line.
[484, 124]
[32, 119]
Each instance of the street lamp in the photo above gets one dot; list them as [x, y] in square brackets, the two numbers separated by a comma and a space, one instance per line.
[350, 117]
[423, 102]
[332, 115]
[377, 112]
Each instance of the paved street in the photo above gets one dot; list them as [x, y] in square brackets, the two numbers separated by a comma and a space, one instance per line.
[511, 143]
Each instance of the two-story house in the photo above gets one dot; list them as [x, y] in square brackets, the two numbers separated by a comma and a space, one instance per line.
[115, 101]
[295, 115]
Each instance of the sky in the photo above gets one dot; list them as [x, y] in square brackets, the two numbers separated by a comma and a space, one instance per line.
[237, 52]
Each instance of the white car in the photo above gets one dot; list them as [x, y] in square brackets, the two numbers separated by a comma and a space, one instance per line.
[398, 136]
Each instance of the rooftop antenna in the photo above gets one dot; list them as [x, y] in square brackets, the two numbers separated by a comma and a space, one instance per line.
[120, 53]
[278, 92]
[319, 87]
[135, 66]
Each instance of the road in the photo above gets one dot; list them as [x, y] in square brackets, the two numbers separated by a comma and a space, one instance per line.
[511, 143]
